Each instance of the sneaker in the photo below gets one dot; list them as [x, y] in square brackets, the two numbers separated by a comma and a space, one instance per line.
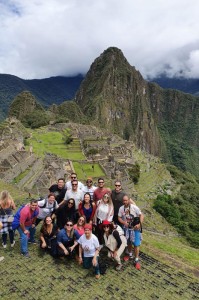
[130, 255]
[1, 258]
[12, 245]
[32, 242]
[118, 267]
[26, 255]
[4, 245]
[97, 276]
[137, 265]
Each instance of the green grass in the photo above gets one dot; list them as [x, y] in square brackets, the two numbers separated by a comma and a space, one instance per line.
[21, 176]
[52, 142]
[85, 170]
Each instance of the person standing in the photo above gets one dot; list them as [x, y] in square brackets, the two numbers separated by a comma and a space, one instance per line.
[131, 218]
[100, 191]
[7, 206]
[59, 190]
[73, 176]
[26, 218]
[1, 226]
[117, 197]
[89, 187]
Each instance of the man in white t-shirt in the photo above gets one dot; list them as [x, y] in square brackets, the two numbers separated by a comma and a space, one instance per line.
[89, 187]
[68, 184]
[74, 193]
[46, 207]
[89, 250]
[131, 218]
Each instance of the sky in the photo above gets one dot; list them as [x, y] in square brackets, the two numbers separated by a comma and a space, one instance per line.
[44, 38]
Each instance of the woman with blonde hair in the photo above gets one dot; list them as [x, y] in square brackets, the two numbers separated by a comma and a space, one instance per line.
[7, 206]
[104, 211]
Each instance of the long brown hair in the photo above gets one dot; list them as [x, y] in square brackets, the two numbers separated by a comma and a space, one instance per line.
[6, 199]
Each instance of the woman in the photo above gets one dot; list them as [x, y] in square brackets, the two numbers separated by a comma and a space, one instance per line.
[104, 211]
[65, 211]
[87, 208]
[89, 250]
[1, 226]
[80, 225]
[48, 236]
[115, 241]
[67, 239]
[7, 206]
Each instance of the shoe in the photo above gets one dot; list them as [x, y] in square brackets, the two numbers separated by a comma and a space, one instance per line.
[26, 255]
[1, 258]
[4, 245]
[118, 267]
[12, 245]
[32, 242]
[126, 258]
[130, 255]
[137, 265]
[97, 276]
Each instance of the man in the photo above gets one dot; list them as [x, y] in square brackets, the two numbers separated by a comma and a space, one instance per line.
[117, 197]
[100, 191]
[74, 193]
[73, 176]
[59, 190]
[46, 207]
[27, 218]
[131, 218]
[89, 187]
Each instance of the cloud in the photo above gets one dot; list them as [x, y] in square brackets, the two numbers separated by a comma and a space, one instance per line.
[42, 38]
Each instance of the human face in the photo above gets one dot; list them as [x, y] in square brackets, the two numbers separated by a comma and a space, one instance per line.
[33, 206]
[69, 226]
[73, 176]
[81, 221]
[101, 183]
[89, 183]
[48, 220]
[51, 199]
[125, 200]
[87, 232]
[60, 184]
[86, 198]
[106, 198]
[106, 228]
[74, 185]
[70, 203]
[118, 187]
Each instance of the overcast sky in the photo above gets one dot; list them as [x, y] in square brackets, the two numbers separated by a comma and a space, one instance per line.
[44, 38]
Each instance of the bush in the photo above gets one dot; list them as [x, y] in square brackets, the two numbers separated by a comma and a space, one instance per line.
[134, 173]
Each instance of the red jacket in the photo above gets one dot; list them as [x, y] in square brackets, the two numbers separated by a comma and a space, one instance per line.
[81, 211]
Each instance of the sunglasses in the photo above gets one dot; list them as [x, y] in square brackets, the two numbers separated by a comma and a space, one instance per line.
[73, 177]
[117, 184]
[71, 225]
[88, 181]
[74, 184]
[81, 220]
[70, 203]
[106, 226]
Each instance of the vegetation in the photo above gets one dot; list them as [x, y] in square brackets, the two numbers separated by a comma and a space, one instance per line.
[134, 172]
[67, 136]
[181, 210]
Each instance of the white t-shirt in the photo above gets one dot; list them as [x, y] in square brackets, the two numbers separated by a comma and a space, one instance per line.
[126, 211]
[89, 246]
[89, 190]
[77, 196]
[47, 210]
[68, 185]
[102, 212]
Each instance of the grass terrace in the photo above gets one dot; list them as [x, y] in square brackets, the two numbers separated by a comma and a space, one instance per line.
[85, 170]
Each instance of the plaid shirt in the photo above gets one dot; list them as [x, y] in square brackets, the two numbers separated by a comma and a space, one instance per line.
[6, 225]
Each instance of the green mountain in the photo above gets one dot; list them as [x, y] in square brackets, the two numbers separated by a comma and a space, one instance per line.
[162, 122]
[47, 91]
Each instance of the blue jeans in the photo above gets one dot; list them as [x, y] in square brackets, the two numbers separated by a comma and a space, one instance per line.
[25, 238]
[87, 264]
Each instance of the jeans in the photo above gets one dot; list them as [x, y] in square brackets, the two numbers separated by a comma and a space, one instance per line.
[26, 237]
[87, 264]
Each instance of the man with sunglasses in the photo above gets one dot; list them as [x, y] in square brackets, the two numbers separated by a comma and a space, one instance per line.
[89, 187]
[68, 185]
[117, 198]
[100, 191]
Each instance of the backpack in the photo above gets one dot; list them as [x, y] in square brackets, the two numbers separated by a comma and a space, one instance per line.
[46, 203]
[16, 221]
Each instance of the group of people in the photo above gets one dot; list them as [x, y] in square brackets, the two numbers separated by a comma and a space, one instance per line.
[77, 221]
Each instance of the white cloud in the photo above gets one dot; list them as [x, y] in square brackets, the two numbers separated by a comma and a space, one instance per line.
[42, 38]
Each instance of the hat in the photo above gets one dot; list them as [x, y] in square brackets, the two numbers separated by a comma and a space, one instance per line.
[89, 178]
[88, 226]
[106, 222]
